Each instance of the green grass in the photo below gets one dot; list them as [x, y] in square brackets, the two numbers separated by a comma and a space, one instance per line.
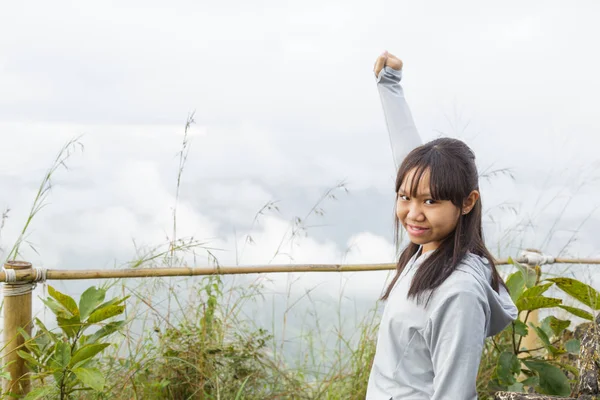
[195, 339]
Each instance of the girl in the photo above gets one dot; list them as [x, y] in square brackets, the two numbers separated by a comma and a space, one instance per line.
[447, 295]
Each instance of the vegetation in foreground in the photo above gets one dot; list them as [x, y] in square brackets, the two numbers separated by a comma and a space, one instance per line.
[210, 353]
[203, 347]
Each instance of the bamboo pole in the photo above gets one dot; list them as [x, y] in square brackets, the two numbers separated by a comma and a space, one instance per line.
[29, 274]
[17, 314]
[531, 340]
[71, 274]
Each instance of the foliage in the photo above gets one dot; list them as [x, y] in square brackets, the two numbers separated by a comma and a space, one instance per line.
[202, 357]
[64, 363]
[198, 359]
[509, 366]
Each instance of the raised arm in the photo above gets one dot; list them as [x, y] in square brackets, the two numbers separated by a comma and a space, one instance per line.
[403, 133]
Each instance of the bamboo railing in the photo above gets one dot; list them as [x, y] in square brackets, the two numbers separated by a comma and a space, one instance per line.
[70, 274]
[18, 306]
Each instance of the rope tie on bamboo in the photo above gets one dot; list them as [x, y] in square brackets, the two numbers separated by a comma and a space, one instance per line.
[12, 287]
[535, 258]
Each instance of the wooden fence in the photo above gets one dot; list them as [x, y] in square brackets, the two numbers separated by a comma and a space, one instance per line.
[20, 278]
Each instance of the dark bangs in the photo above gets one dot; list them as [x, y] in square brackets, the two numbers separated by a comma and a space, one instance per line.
[448, 180]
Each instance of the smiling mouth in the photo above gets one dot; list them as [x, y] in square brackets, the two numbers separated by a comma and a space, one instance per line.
[416, 230]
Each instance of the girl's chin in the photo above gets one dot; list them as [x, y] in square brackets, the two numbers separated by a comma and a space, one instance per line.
[419, 241]
[419, 236]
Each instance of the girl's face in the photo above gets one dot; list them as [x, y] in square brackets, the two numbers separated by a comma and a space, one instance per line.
[428, 222]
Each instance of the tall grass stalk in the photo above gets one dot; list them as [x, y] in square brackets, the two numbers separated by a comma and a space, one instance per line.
[43, 192]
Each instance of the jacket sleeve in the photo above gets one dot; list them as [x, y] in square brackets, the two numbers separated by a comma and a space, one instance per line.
[403, 133]
[457, 330]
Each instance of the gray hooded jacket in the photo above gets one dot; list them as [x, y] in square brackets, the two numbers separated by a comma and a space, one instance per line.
[433, 351]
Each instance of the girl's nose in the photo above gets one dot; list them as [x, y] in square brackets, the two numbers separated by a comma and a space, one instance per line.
[415, 213]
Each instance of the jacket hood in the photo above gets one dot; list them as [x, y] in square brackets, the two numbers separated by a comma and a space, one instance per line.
[502, 309]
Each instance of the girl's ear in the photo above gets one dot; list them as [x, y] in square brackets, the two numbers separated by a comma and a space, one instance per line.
[470, 201]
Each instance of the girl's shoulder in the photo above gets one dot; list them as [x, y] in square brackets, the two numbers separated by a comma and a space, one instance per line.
[471, 284]
[473, 275]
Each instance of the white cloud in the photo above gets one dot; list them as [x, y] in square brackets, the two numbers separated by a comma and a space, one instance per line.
[284, 97]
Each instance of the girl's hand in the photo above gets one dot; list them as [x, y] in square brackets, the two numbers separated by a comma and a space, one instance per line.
[387, 60]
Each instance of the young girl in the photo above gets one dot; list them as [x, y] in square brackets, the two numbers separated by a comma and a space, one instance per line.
[447, 295]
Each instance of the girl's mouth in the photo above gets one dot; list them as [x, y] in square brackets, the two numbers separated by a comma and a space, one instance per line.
[414, 230]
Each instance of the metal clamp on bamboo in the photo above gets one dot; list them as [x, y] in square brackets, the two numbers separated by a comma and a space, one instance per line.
[17, 315]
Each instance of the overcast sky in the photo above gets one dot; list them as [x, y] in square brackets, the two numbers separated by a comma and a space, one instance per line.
[286, 107]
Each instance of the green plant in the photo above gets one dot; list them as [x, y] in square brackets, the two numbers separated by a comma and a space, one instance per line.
[200, 359]
[550, 368]
[65, 363]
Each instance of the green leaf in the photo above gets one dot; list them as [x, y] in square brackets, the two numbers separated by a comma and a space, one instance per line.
[106, 330]
[90, 377]
[571, 368]
[554, 326]
[534, 303]
[39, 393]
[545, 326]
[69, 326]
[29, 343]
[62, 354]
[546, 340]
[579, 290]
[87, 352]
[529, 274]
[541, 334]
[29, 358]
[520, 328]
[64, 300]
[58, 375]
[56, 308]
[578, 312]
[43, 328]
[516, 388]
[238, 396]
[90, 299]
[573, 346]
[532, 381]
[112, 302]
[536, 290]
[516, 285]
[104, 313]
[552, 380]
[44, 343]
[24, 333]
[507, 367]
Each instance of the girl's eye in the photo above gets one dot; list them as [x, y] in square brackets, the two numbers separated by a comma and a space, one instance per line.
[429, 201]
[403, 197]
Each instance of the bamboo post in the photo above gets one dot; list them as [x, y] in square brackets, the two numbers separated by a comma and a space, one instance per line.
[17, 314]
[531, 341]
[533, 260]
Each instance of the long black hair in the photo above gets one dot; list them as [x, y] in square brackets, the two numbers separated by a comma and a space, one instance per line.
[453, 176]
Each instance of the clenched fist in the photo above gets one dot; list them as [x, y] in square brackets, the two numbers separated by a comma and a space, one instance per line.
[387, 60]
